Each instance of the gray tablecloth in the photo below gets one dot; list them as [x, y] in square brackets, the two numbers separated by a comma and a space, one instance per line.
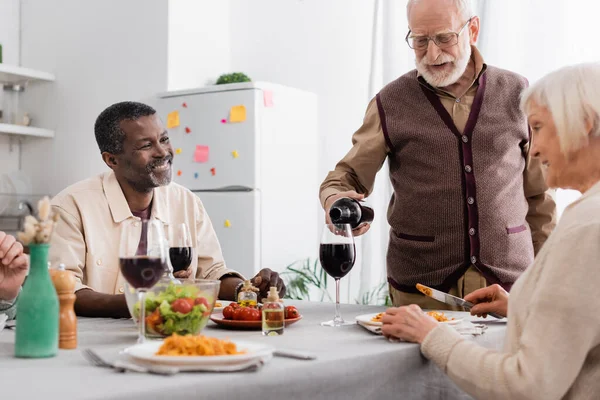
[352, 364]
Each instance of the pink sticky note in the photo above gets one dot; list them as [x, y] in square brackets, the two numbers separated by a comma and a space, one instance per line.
[268, 98]
[201, 154]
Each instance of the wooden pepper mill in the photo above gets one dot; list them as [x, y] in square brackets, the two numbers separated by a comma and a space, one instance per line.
[64, 283]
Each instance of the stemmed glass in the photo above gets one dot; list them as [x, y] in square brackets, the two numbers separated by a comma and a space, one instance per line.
[143, 260]
[180, 246]
[337, 254]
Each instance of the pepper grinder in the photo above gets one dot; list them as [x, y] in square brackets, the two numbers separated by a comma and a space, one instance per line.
[64, 283]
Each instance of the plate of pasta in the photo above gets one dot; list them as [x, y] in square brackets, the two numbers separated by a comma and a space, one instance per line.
[370, 319]
[375, 318]
[198, 351]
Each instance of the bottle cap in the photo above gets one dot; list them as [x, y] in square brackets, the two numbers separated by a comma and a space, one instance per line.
[248, 287]
[273, 296]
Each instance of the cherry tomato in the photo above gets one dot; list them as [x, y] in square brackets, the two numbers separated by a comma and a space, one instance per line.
[234, 305]
[182, 305]
[246, 314]
[237, 314]
[255, 315]
[291, 312]
[228, 312]
[201, 300]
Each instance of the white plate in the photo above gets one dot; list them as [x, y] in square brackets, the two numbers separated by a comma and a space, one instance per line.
[366, 319]
[224, 303]
[147, 352]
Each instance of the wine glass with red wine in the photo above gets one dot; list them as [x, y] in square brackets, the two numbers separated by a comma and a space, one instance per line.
[337, 254]
[180, 246]
[143, 260]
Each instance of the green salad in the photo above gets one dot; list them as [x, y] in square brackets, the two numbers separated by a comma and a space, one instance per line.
[177, 309]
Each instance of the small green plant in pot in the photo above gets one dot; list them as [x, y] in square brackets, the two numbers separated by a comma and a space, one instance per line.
[235, 77]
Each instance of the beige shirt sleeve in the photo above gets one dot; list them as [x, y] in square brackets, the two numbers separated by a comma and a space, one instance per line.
[541, 216]
[68, 243]
[357, 170]
[211, 264]
[561, 326]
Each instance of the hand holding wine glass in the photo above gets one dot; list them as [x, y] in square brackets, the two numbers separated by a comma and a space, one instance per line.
[143, 260]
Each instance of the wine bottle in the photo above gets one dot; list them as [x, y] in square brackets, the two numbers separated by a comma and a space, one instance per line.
[350, 211]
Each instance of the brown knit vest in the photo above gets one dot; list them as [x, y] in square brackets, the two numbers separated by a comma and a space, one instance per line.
[458, 198]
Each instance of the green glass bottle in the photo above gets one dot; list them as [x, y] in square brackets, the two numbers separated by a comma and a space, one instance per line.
[37, 309]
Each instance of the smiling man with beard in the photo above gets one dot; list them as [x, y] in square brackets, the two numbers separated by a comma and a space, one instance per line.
[470, 206]
[136, 147]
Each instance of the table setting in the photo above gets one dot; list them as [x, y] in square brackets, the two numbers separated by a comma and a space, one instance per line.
[183, 341]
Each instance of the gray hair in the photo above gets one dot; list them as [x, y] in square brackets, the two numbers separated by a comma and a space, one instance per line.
[463, 6]
[572, 96]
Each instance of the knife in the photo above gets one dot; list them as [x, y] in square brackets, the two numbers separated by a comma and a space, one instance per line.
[449, 299]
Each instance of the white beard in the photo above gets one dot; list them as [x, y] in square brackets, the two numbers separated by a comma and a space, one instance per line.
[443, 79]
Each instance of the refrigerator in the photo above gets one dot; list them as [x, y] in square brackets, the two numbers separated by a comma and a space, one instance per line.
[249, 151]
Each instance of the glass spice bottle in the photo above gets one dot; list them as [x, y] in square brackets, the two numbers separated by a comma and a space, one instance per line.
[273, 316]
[247, 296]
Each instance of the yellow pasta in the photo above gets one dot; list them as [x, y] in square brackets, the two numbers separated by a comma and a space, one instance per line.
[189, 345]
[425, 290]
[439, 316]
[377, 318]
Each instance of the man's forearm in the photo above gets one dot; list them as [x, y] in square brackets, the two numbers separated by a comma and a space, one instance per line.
[228, 285]
[94, 304]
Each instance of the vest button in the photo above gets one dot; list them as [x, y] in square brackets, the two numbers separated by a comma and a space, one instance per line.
[473, 260]
[465, 139]
[468, 168]
[458, 100]
[472, 231]
[470, 200]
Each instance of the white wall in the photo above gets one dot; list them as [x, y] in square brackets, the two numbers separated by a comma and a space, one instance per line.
[101, 52]
[316, 45]
[9, 39]
[199, 42]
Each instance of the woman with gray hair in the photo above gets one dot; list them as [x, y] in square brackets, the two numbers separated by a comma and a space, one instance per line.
[552, 344]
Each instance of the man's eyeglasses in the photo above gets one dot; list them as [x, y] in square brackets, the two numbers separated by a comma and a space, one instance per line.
[442, 40]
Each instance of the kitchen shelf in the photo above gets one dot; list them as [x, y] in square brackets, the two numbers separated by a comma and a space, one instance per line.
[19, 130]
[12, 74]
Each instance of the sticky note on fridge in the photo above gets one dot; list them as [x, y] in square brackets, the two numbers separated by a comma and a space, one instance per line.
[173, 120]
[201, 154]
[237, 114]
[268, 98]
[227, 223]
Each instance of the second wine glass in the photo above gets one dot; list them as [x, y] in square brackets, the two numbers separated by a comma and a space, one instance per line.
[337, 254]
[180, 246]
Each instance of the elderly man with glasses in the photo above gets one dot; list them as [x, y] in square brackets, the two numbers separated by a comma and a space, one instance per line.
[470, 206]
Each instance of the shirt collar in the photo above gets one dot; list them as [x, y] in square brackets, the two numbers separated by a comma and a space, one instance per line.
[119, 208]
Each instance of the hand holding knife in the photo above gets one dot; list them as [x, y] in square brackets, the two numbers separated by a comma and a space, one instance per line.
[449, 299]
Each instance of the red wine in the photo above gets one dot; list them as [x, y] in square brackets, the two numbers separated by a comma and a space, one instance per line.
[142, 272]
[181, 258]
[337, 259]
[350, 211]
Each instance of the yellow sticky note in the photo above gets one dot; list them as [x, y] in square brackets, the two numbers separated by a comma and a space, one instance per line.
[173, 120]
[178, 151]
[227, 223]
[237, 114]
[235, 154]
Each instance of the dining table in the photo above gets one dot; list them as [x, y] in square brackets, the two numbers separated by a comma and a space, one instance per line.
[351, 363]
